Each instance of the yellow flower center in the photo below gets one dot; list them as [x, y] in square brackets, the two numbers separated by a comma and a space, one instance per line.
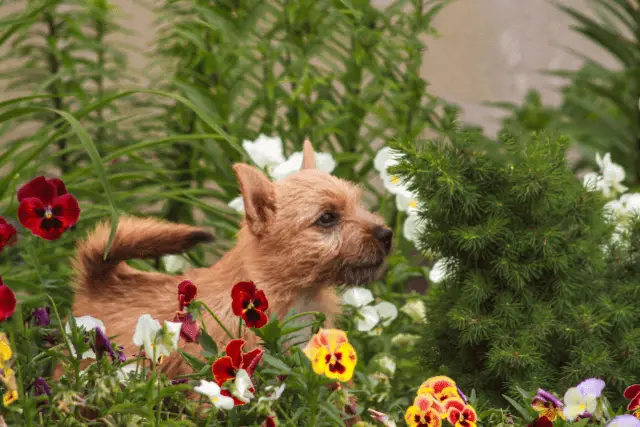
[413, 204]
[48, 214]
[214, 399]
[395, 179]
[583, 407]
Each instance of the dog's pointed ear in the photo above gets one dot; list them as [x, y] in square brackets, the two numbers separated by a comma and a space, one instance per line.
[308, 155]
[259, 196]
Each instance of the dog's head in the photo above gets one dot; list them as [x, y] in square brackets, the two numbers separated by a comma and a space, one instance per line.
[311, 225]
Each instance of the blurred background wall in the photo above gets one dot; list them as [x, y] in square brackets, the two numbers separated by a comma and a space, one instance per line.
[489, 50]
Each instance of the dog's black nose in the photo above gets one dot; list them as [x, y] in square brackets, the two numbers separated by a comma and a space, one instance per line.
[385, 236]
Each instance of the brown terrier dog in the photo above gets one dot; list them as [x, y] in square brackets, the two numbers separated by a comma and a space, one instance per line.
[300, 236]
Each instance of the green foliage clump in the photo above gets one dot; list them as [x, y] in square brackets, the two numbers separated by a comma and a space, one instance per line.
[525, 302]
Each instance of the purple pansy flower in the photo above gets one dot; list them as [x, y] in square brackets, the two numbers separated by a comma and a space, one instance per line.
[624, 421]
[103, 344]
[41, 316]
[41, 387]
[592, 386]
[547, 405]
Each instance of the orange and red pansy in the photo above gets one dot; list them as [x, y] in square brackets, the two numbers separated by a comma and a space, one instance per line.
[226, 368]
[8, 234]
[547, 405]
[249, 303]
[632, 393]
[46, 209]
[7, 301]
[459, 414]
[331, 354]
[425, 412]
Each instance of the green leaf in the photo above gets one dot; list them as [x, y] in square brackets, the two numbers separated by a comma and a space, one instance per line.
[207, 343]
[525, 414]
[193, 361]
[131, 408]
[276, 363]
[173, 389]
[331, 412]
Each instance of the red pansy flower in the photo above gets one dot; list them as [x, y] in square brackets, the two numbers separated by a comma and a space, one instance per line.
[187, 292]
[271, 421]
[226, 368]
[541, 422]
[46, 208]
[189, 331]
[632, 393]
[250, 304]
[7, 301]
[8, 234]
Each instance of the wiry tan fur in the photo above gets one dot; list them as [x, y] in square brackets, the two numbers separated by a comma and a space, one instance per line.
[295, 262]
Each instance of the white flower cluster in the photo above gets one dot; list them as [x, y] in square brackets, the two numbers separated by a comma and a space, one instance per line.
[369, 316]
[267, 153]
[609, 181]
[406, 201]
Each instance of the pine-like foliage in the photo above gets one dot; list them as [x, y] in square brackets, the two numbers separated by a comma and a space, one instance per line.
[526, 302]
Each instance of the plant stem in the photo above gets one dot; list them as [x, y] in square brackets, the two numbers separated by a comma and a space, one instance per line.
[224, 328]
[240, 327]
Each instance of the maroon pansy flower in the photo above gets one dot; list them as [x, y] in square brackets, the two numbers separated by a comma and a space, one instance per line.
[227, 367]
[7, 301]
[270, 421]
[189, 331]
[250, 303]
[187, 292]
[46, 208]
[102, 344]
[541, 422]
[8, 234]
[41, 316]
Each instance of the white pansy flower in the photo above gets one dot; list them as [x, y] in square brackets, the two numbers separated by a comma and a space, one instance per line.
[577, 403]
[416, 310]
[146, 332]
[265, 152]
[438, 271]
[385, 158]
[592, 181]
[241, 386]
[631, 202]
[357, 297]
[412, 227]
[324, 162]
[612, 175]
[405, 340]
[174, 263]
[369, 316]
[388, 364]
[237, 204]
[213, 392]
[406, 201]
[88, 323]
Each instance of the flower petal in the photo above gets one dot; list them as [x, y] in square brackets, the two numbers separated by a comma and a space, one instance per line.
[223, 370]
[325, 162]
[8, 234]
[357, 297]
[250, 360]
[592, 386]
[260, 301]
[237, 204]
[7, 302]
[66, 209]
[632, 391]
[255, 318]
[188, 290]
[265, 151]
[368, 320]
[31, 212]
[248, 288]
[234, 351]
[387, 312]
[39, 188]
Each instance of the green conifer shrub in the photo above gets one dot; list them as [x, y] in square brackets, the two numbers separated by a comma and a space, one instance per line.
[527, 301]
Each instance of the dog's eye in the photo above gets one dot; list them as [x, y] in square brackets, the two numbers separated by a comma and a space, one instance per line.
[327, 219]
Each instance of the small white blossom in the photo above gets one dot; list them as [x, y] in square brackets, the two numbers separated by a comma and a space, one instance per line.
[577, 403]
[405, 340]
[277, 392]
[416, 310]
[212, 391]
[174, 263]
[265, 152]
[146, 335]
[388, 364]
[386, 158]
[237, 204]
[412, 227]
[612, 175]
[369, 316]
[88, 323]
[406, 201]
[324, 162]
[439, 271]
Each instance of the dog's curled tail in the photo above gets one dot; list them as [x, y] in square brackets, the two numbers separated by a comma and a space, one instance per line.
[135, 238]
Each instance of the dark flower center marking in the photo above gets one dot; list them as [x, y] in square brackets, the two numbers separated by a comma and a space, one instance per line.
[334, 362]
